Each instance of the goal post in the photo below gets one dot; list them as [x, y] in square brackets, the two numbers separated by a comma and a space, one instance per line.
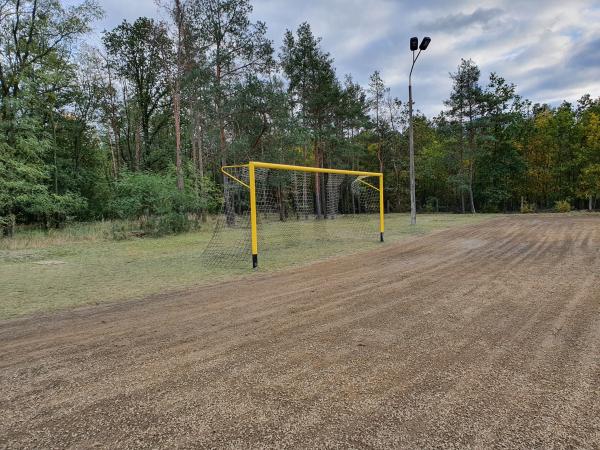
[258, 193]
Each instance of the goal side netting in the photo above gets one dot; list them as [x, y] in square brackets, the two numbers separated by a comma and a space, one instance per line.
[297, 213]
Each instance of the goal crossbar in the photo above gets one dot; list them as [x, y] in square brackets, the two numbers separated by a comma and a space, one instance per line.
[251, 186]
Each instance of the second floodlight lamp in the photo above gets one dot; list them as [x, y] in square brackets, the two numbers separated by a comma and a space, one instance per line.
[424, 43]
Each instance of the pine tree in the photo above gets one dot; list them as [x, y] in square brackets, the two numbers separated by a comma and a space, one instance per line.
[464, 104]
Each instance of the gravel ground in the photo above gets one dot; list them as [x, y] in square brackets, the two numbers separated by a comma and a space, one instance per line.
[478, 336]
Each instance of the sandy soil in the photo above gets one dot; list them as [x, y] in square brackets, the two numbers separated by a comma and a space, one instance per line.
[485, 335]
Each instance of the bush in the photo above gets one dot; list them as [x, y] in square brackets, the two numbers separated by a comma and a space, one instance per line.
[527, 208]
[490, 208]
[139, 195]
[172, 223]
[431, 205]
[120, 232]
[51, 210]
[155, 203]
[562, 206]
[7, 225]
[210, 196]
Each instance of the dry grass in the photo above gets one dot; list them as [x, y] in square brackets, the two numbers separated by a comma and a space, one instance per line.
[33, 238]
[81, 265]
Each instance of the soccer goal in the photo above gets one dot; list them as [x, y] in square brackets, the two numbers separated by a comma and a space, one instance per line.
[275, 209]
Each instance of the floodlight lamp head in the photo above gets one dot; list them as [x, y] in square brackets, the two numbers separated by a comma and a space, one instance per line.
[414, 43]
[424, 43]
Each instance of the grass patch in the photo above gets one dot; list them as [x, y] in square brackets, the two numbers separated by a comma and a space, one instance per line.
[79, 265]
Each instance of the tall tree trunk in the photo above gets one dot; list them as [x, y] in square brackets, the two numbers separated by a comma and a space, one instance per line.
[114, 124]
[197, 137]
[397, 189]
[117, 147]
[522, 203]
[305, 194]
[324, 191]
[200, 148]
[472, 201]
[471, 157]
[197, 143]
[138, 146]
[193, 141]
[54, 151]
[113, 156]
[317, 181]
[130, 128]
[305, 185]
[280, 201]
[176, 111]
[222, 141]
[177, 95]
[145, 137]
[461, 170]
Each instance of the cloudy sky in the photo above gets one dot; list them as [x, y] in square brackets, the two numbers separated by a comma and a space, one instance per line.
[549, 48]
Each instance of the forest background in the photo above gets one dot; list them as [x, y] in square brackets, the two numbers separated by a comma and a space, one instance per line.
[137, 128]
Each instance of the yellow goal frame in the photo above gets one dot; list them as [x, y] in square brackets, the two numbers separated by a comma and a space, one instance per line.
[253, 165]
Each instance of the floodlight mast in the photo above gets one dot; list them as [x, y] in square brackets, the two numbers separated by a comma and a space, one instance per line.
[414, 46]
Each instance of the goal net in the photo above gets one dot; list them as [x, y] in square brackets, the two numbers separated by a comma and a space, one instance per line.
[283, 212]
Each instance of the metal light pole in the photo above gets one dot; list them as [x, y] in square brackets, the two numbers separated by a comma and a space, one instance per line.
[414, 45]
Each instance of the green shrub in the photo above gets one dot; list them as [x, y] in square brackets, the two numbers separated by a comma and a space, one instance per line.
[172, 223]
[490, 208]
[209, 195]
[153, 202]
[138, 195]
[562, 206]
[119, 232]
[527, 208]
[50, 210]
[431, 205]
[7, 225]
[141, 194]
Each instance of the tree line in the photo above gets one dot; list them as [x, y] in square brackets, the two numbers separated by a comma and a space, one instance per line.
[139, 126]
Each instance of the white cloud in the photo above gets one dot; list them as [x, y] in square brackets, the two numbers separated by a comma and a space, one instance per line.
[529, 42]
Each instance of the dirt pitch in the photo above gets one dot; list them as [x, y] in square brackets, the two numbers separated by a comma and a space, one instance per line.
[484, 335]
